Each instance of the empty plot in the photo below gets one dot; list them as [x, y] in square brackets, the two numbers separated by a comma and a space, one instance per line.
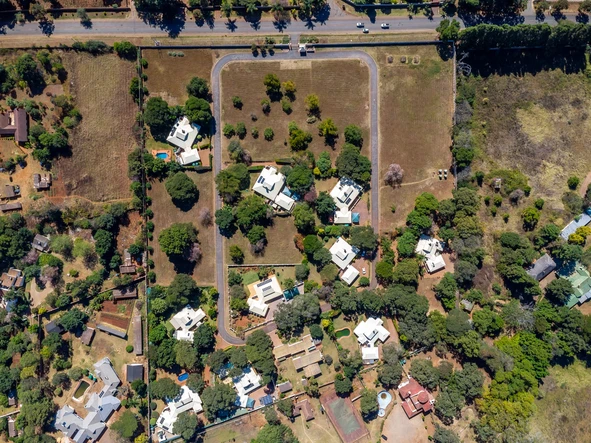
[342, 87]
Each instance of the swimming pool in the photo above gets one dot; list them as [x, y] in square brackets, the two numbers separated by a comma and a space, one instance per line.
[162, 155]
[82, 387]
[183, 377]
[342, 333]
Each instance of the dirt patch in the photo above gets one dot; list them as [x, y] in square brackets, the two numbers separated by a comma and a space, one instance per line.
[97, 168]
[415, 122]
[161, 66]
[129, 231]
[330, 80]
[166, 213]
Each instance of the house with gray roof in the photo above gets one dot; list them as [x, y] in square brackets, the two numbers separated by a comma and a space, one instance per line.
[542, 267]
[582, 220]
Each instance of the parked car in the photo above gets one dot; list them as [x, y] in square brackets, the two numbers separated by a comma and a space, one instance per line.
[360, 25]
[385, 25]
[365, 30]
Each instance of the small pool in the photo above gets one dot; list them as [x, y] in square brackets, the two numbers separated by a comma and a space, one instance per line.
[81, 389]
[162, 155]
[342, 333]
[183, 377]
[384, 399]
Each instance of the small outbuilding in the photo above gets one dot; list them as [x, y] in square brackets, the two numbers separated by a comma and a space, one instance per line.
[53, 327]
[87, 336]
[41, 243]
[134, 371]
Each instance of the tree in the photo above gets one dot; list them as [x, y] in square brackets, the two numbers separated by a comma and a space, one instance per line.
[236, 254]
[342, 385]
[198, 87]
[231, 181]
[126, 50]
[443, 435]
[530, 217]
[312, 104]
[285, 406]
[198, 111]
[465, 272]
[103, 243]
[73, 320]
[186, 425]
[304, 219]
[140, 387]
[394, 175]
[157, 116]
[390, 375]
[218, 400]
[251, 211]
[469, 381]
[204, 338]
[364, 238]
[406, 272]
[177, 239]
[312, 244]
[271, 416]
[384, 271]
[585, 6]
[354, 136]
[350, 163]
[558, 291]
[182, 189]
[369, 403]
[275, 434]
[407, 243]
[268, 134]
[289, 88]
[186, 357]
[300, 179]
[272, 84]
[259, 350]
[225, 219]
[182, 290]
[448, 30]
[486, 322]
[424, 373]
[328, 130]
[446, 290]
[325, 206]
[298, 138]
[126, 425]
[164, 388]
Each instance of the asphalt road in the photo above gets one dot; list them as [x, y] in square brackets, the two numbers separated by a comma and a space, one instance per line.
[325, 24]
[223, 301]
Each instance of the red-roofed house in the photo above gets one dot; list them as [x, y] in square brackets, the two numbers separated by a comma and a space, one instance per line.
[415, 398]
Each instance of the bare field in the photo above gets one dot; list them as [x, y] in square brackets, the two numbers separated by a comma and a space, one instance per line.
[168, 76]
[538, 124]
[97, 168]
[342, 87]
[415, 121]
[166, 213]
[280, 245]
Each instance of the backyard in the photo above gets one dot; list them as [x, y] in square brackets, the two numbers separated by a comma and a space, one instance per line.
[97, 168]
[166, 213]
[330, 80]
[416, 104]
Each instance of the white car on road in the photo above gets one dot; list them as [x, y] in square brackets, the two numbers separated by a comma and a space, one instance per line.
[385, 25]
[360, 25]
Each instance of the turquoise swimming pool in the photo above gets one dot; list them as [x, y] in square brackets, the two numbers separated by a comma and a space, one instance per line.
[183, 377]
[162, 155]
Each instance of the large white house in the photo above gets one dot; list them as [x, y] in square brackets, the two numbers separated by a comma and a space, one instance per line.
[342, 253]
[346, 193]
[265, 292]
[244, 384]
[431, 248]
[99, 406]
[187, 400]
[271, 184]
[185, 321]
[183, 133]
[349, 275]
[368, 332]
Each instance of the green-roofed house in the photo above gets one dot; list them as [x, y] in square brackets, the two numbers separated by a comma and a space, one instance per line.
[581, 281]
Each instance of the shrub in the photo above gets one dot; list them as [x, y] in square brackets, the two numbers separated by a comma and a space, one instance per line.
[269, 134]
[573, 182]
[237, 102]
[129, 349]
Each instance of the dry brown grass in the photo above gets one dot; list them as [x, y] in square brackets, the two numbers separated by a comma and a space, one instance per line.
[97, 169]
[280, 246]
[168, 76]
[415, 122]
[166, 213]
[341, 85]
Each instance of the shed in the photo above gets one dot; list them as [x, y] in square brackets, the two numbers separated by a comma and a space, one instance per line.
[9, 192]
[41, 243]
[12, 398]
[127, 269]
[41, 181]
[284, 387]
[87, 336]
[111, 330]
[53, 327]
[126, 293]
[138, 337]
[11, 207]
[134, 371]
[11, 428]
[467, 305]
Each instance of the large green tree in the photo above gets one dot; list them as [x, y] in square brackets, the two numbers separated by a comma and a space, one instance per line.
[182, 189]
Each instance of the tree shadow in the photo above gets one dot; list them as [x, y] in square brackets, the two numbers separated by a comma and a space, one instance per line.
[47, 27]
[582, 18]
[281, 25]
[182, 265]
[172, 22]
[86, 24]
[231, 25]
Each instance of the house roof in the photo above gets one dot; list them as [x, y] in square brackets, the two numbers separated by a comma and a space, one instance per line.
[542, 267]
[183, 133]
[582, 220]
[41, 181]
[284, 201]
[183, 334]
[10, 207]
[370, 354]
[307, 359]
[40, 242]
[303, 408]
[415, 398]
[53, 327]
[187, 318]
[188, 156]
[257, 307]
[134, 371]
[268, 290]
[269, 183]
[14, 123]
[125, 293]
[342, 253]
[8, 191]
[350, 275]
[87, 336]
[127, 269]
[284, 387]
[283, 351]
[247, 382]
[11, 428]
[431, 249]
[342, 217]
[312, 370]
[12, 279]
[111, 330]
[369, 331]
[187, 400]
[435, 263]
[346, 193]
[138, 335]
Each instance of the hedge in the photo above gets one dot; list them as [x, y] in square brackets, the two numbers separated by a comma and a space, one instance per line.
[256, 168]
[284, 161]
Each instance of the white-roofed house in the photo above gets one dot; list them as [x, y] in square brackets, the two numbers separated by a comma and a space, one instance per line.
[183, 133]
[342, 217]
[257, 307]
[346, 193]
[342, 253]
[265, 292]
[246, 383]
[368, 332]
[582, 220]
[270, 184]
[350, 275]
[431, 249]
[187, 156]
[186, 401]
[185, 321]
